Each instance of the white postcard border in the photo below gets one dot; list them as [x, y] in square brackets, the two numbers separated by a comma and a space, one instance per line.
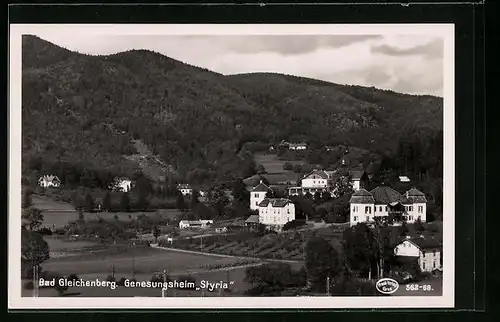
[446, 300]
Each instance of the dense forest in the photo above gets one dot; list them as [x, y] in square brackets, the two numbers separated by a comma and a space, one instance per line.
[80, 114]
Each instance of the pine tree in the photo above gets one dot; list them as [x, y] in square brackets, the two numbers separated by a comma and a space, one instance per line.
[106, 201]
[125, 202]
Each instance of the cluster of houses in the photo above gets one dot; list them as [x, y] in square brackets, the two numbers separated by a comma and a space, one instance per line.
[365, 206]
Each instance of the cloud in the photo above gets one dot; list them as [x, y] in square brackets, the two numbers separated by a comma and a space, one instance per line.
[432, 50]
[292, 45]
[409, 64]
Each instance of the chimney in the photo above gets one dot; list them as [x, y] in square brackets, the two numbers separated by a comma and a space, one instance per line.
[260, 181]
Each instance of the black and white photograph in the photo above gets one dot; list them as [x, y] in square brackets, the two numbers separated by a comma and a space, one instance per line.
[274, 166]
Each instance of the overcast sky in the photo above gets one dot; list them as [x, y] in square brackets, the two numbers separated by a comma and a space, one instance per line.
[407, 64]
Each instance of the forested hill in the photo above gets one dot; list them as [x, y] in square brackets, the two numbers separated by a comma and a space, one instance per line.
[85, 110]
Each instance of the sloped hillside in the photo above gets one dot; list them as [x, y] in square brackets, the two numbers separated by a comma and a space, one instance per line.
[84, 111]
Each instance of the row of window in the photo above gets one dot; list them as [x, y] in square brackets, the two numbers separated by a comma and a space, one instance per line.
[273, 219]
[368, 209]
[367, 218]
[275, 211]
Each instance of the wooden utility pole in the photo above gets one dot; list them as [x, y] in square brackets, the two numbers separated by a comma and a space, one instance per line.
[164, 281]
[328, 286]
[113, 270]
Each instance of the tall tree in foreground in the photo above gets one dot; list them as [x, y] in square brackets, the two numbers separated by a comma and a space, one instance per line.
[322, 263]
[106, 201]
[361, 249]
[34, 251]
[125, 201]
[180, 202]
[89, 203]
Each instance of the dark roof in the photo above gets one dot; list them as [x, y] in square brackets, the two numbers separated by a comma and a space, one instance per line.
[277, 203]
[320, 173]
[261, 187]
[386, 195]
[416, 196]
[362, 196]
[425, 243]
[252, 219]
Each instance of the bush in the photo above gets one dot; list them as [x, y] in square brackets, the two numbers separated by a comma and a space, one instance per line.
[121, 281]
[45, 231]
[72, 277]
[287, 166]
[158, 278]
[294, 224]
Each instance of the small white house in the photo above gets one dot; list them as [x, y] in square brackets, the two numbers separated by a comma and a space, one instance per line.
[257, 194]
[185, 189]
[121, 184]
[184, 224]
[404, 179]
[426, 250]
[275, 213]
[49, 181]
[297, 146]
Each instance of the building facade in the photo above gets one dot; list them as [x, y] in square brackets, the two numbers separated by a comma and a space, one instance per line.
[258, 194]
[276, 212]
[426, 251]
[386, 203]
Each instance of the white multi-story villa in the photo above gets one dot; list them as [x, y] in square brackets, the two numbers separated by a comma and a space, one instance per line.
[257, 194]
[366, 205]
[276, 212]
[321, 181]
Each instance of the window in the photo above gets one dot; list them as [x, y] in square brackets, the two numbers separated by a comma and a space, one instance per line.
[381, 208]
[423, 265]
[410, 218]
[368, 210]
[420, 209]
[386, 208]
[355, 218]
[434, 265]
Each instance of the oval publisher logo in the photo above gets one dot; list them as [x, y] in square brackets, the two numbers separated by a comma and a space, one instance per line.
[387, 285]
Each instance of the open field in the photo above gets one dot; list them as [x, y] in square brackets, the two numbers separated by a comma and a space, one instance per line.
[272, 164]
[127, 216]
[59, 219]
[46, 204]
[144, 260]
